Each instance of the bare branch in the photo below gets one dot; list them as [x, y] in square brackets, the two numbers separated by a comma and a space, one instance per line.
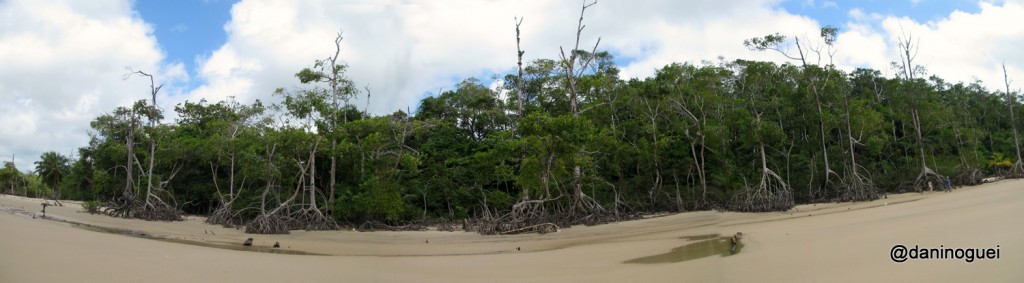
[519, 81]
[908, 52]
[367, 107]
[570, 63]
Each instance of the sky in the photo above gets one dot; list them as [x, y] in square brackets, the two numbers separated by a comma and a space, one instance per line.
[63, 62]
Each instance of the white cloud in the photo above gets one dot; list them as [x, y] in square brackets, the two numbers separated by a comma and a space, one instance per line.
[675, 31]
[959, 47]
[63, 64]
[403, 49]
[400, 50]
[964, 46]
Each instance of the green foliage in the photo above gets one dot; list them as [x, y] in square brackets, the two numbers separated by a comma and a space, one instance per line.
[379, 201]
[52, 167]
[688, 137]
[828, 34]
[92, 206]
[998, 161]
[767, 42]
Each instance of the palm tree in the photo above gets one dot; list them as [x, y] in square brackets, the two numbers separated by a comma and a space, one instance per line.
[1000, 163]
[51, 168]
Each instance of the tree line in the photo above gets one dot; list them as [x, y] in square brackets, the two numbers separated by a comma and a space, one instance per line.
[563, 142]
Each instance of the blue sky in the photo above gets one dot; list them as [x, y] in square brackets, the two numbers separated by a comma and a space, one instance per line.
[187, 30]
[835, 12]
[64, 60]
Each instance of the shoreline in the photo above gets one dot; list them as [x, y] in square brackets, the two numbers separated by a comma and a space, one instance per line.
[696, 219]
[814, 242]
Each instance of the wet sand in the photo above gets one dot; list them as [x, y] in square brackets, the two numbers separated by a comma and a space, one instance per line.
[838, 242]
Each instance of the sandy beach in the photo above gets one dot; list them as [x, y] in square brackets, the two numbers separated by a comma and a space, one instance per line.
[839, 242]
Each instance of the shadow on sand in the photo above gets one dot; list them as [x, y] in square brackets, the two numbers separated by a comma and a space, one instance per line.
[704, 246]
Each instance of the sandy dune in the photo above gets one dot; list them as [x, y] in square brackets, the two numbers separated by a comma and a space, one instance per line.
[811, 243]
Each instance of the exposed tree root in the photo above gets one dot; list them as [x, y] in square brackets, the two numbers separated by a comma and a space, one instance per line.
[770, 194]
[585, 206]
[857, 187]
[139, 210]
[311, 220]
[133, 207]
[267, 224]
[927, 177]
[545, 216]
[447, 226]
[968, 177]
[226, 217]
[1017, 171]
[370, 226]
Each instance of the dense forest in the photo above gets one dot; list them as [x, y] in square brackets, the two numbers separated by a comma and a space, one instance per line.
[564, 141]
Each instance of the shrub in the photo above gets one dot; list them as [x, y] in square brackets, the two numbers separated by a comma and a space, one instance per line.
[92, 206]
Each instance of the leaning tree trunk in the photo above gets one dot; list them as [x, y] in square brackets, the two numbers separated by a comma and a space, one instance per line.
[927, 178]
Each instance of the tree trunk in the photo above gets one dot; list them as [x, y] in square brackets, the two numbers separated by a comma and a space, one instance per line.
[519, 100]
[312, 177]
[519, 81]
[153, 121]
[1018, 166]
[149, 177]
[130, 146]
[824, 148]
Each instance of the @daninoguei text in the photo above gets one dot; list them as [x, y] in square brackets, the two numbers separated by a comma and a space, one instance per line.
[901, 253]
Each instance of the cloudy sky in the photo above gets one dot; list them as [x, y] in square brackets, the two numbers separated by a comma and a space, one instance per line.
[62, 62]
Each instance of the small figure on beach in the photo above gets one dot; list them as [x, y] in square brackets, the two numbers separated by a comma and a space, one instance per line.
[735, 241]
[277, 245]
[949, 184]
[45, 204]
[248, 242]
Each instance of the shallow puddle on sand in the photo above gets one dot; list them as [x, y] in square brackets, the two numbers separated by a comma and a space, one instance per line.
[235, 247]
[704, 246]
[238, 247]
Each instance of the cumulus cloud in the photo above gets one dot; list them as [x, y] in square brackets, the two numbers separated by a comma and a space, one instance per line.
[399, 50]
[967, 46]
[403, 49]
[662, 32]
[63, 65]
[959, 47]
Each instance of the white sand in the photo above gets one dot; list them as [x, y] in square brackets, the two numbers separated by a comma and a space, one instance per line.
[812, 243]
